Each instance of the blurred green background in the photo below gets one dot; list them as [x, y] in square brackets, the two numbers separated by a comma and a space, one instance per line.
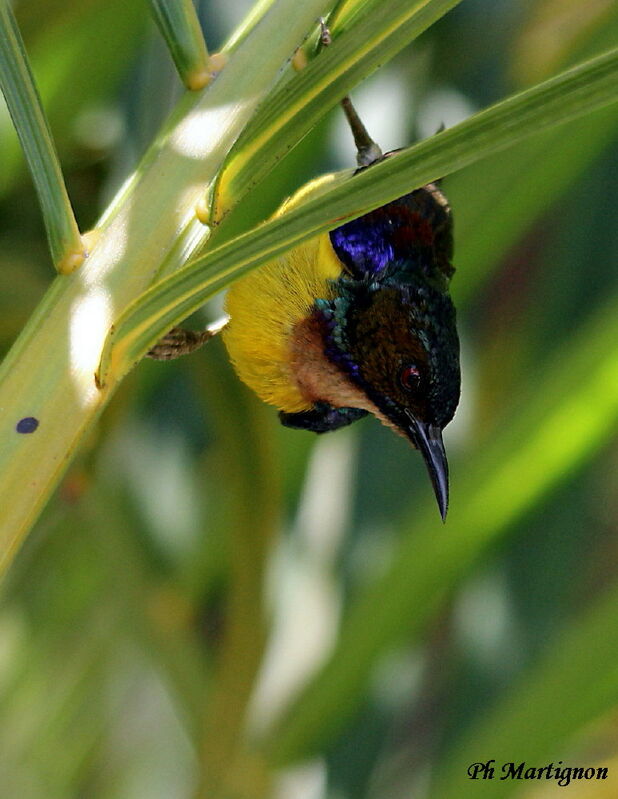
[214, 605]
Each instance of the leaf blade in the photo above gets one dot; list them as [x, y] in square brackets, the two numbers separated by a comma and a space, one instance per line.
[571, 94]
[294, 108]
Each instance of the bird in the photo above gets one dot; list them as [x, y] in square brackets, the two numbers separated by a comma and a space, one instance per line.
[353, 322]
[358, 321]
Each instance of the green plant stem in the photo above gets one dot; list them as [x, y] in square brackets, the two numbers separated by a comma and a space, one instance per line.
[296, 106]
[24, 104]
[178, 22]
[254, 15]
[574, 93]
[49, 373]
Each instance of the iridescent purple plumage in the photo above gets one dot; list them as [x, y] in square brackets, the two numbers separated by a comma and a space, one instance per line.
[401, 232]
[362, 245]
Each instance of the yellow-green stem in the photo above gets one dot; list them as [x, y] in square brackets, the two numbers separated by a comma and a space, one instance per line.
[49, 373]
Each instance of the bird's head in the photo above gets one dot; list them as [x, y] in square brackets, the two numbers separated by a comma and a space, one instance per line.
[398, 344]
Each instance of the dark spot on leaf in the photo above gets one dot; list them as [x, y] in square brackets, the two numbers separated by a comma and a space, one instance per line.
[27, 425]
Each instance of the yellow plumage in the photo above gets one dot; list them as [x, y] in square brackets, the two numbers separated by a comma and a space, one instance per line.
[265, 306]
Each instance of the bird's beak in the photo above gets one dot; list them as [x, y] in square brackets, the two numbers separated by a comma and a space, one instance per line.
[428, 439]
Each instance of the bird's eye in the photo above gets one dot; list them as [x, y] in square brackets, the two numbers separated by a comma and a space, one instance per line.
[410, 377]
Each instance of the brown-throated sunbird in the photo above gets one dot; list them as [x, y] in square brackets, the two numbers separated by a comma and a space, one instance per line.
[357, 321]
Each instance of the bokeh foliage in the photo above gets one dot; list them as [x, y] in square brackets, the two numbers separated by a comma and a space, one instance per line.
[214, 605]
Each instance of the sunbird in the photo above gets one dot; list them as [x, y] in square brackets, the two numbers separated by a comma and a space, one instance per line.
[358, 321]
[355, 321]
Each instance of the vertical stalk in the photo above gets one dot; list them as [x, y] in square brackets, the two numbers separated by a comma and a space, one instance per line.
[24, 104]
[49, 374]
[181, 30]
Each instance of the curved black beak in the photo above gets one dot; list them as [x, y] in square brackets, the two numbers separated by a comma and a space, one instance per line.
[428, 439]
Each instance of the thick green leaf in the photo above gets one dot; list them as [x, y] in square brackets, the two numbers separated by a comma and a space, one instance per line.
[572, 94]
[49, 372]
[509, 194]
[515, 191]
[378, 33]
[257, 11]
